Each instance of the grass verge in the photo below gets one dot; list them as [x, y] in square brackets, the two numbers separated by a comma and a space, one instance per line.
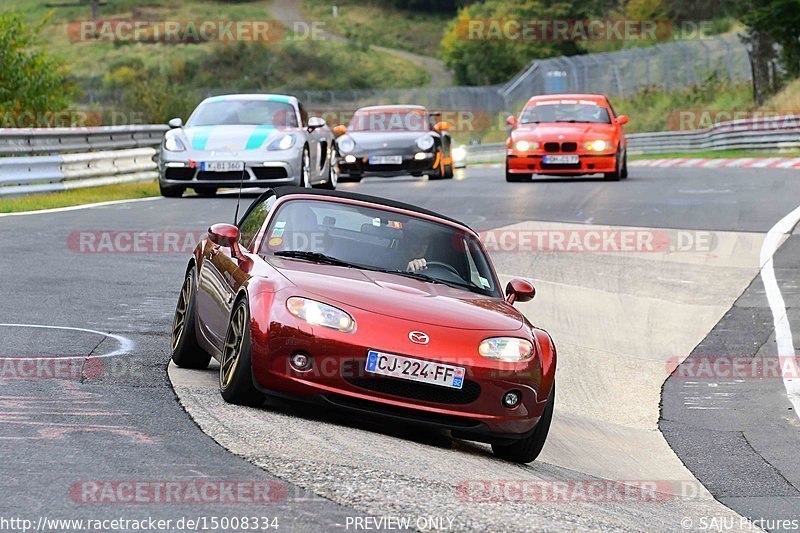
[123, 191]
[363, 21]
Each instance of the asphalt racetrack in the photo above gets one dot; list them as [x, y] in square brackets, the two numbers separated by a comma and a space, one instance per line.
[105, 408]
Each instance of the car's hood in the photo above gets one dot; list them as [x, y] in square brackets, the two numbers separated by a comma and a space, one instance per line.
[400, 297]
[230, 138]
[370, 140]
[564, 131]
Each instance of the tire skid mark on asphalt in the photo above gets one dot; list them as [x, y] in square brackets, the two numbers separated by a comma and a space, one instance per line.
[605, 426]
[53, 419]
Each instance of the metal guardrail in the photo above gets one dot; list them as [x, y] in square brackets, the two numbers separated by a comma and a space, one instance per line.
[57, 159]
[774, 133]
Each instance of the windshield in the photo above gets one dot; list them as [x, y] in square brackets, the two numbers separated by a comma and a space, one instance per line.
[375, 239]
[244, 112]
[389, 120]
[565, 111]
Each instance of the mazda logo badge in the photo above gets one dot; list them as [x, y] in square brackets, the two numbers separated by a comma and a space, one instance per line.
[418, 337]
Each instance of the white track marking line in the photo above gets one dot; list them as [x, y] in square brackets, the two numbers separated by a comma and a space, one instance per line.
[77, 207]
[125, 345]
[783, 330]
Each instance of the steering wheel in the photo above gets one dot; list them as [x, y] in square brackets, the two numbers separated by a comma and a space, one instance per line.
[444, 266]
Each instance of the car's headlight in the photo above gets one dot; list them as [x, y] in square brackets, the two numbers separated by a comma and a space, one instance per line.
[596, 146]
[346, 145]
[284, 142]
[459, 153]
[507, 349]
[425, 142]
[320, 314]
[173, 144]
[524, 146]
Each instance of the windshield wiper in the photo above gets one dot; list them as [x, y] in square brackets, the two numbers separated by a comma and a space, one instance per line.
[316, 257]
[423, 277]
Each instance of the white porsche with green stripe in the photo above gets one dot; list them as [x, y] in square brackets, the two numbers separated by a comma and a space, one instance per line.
[263, 139]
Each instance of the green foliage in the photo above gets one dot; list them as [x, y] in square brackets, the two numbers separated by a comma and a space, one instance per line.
[780, 19]
[654, 109]
[479, 58]
[30, 80]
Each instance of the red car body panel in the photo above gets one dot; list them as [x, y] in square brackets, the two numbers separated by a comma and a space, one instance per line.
[531, 161]
[386, 308]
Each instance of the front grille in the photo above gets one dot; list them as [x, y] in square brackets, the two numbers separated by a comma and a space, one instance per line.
[560, 147]
[551, 147]
[419, 391]
[270, 173]
[177, 173]
[221, 176]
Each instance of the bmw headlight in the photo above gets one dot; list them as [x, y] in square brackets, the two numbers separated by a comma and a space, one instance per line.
[346, 145]
[507, 349]
[173, 144]
[596, 146]
[284, 142]
[320, 314]
[524, 146]
[425, 142]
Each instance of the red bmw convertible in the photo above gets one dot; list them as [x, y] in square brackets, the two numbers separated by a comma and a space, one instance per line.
[368, 305]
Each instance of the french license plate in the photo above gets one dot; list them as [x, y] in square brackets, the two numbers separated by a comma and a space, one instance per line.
[398, 366]
[571, 159]
[222, 166]
[386, 160]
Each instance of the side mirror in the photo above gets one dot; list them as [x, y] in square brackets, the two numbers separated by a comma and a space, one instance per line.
[175, 123]
[316, 123]
[442, 126]
[622, 120]
[519, 290]
[339, 130]
[227, 236]
[511, 120]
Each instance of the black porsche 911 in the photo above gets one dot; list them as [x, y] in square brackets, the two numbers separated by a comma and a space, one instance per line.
[393, 140]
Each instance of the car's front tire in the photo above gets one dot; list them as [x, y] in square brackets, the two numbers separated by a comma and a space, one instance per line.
[515, 178]
[235, 367]
[171, 191]
[618, 169]
[528, 449]
[186, 351]
[333, 178]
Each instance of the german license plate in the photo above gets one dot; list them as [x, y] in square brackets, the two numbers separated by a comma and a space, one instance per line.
[386, 160]
[398, 366]
[571, 159]
[222, 166]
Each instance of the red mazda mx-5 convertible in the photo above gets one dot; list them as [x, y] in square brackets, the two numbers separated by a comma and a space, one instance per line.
[369, 305]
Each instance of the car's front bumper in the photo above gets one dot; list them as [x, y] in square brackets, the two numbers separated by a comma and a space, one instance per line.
[260, 167]
[534, 164]
[338, 378]
[362, 167]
